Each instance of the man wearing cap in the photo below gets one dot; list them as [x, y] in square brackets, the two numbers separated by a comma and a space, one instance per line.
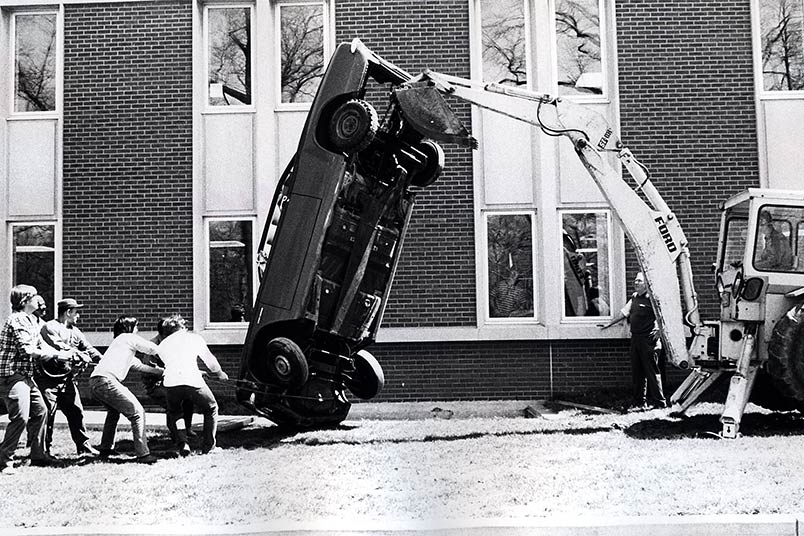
[21, 346]
[62, 333]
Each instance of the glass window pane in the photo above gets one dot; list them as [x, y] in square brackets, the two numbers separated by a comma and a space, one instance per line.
[782, 52]
[504, 59]
[775, 249]
[587, 284]
[578, 46]
[35, 62]
[736, 235]
[34, 260]
[229, 50]
[302, 50]
[510, 254]
[230, 271]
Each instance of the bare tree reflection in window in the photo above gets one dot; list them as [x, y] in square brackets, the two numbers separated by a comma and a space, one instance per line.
[510, 257]
[302, 50]
[782, 46]
[229, 56]
[33, 260]
[35, 62]
[578, 47]
[503, 26]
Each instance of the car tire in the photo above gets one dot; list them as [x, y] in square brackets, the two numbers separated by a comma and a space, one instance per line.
[353, 126]
[432, 168]
[367, 380]
[286, 363]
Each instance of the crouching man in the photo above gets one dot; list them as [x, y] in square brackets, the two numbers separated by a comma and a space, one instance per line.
[179, 351]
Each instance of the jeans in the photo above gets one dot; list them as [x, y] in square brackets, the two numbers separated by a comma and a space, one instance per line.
[26, 408]
[117, 399]
[63, 395]
[202, 398]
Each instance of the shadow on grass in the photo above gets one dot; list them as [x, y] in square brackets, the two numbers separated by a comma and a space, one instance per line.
[708, 426]
[315, 440]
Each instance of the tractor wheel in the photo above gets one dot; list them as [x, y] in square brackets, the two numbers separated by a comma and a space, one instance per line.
[286, 363]
[432, 169]
[786, 356]
[368, 379]
[353, 126]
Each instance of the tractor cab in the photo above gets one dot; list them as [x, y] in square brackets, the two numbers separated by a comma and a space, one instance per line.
[760, 265]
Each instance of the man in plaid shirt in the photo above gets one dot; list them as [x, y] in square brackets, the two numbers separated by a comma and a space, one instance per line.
[21, 346]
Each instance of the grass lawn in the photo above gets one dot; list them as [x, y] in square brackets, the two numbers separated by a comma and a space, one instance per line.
[567, 464]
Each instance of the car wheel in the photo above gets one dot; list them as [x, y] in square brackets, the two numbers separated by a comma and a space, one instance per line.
[353, 126]
[432, 168]
[286, 362]
[368, 379]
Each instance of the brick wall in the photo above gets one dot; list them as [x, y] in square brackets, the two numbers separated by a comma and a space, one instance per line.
[435, 282]
[128, 160]
[687, 111]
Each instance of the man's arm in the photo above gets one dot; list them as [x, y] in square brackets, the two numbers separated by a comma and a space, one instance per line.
[623, 314]
[83, 344]
[139, 366]
[30, 343]
[210, 360]
[54, 338]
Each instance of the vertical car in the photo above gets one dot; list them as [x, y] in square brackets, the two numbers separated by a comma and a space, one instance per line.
[333, 237]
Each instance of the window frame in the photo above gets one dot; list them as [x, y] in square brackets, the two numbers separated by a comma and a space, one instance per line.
[208, 322]
[605, 96]
[609, 260]
[532, 213]
[328, 39]
[12, 248]
[239, 108]
[55, 113]
[759, 68]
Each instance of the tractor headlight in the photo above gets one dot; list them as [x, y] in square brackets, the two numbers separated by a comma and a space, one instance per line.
[752, 289]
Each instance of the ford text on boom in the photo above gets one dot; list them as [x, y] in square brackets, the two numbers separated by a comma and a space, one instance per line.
[665, 232]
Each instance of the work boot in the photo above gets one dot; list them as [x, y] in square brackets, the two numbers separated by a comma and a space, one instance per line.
[149, 459]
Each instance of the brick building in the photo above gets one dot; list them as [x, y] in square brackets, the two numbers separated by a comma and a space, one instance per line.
[140, 142]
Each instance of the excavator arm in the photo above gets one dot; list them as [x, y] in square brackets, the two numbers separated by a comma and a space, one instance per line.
[654, 231]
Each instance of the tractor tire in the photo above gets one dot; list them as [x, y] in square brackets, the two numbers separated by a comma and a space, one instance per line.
[353, 126]
[786, 356]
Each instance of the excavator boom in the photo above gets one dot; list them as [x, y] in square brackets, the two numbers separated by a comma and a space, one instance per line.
[653, 229]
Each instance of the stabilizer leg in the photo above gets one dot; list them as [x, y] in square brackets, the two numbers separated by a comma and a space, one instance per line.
[696, 384]
[739, 390]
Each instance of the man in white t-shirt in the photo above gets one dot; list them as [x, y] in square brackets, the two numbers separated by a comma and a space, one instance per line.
[183, 380]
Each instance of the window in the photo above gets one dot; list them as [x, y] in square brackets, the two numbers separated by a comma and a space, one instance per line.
[782, 45]
[510, 264]
[736, 236]
[774, 249]
[229, 55]
[301, 32]
[503, 38]
[231, 270]
[587, 288]
[33, 259]
[35, 49]
[578, 47]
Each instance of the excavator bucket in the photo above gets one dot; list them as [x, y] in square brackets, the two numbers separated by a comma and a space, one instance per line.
[427, 111]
